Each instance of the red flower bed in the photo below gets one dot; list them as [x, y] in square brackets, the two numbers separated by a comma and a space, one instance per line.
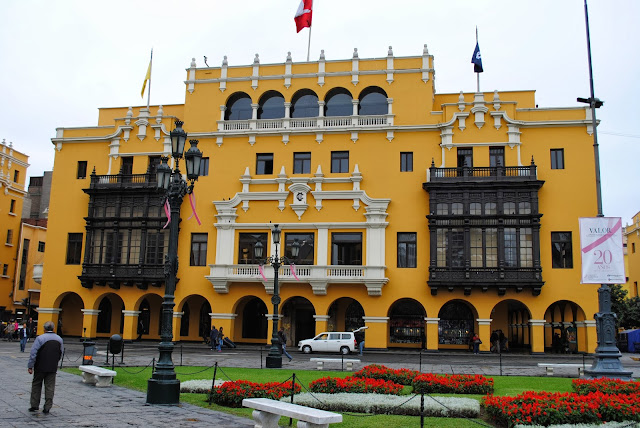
[606, 386]
[231, 394]
[545, 408]
[375, 371]
[332, 385]
[454, 384]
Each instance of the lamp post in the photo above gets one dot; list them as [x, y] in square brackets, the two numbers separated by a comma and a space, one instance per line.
[274, 359]
[163, 387]
[607, 359]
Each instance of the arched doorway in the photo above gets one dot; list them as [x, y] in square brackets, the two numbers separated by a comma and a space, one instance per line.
[456, 325]
[406, 323]
[298, 320]
[562, 336]
[103, 324]
[512, 318]
[204, 325]
[184, 320]
[70, 320]
[345, 314]
[254, 319]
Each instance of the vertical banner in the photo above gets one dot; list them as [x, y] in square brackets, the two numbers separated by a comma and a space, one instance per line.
[601, 249]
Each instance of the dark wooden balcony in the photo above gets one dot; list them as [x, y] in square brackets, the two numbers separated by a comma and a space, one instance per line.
[485, 279]
[123, 181]
[483, 173]
[115, 276]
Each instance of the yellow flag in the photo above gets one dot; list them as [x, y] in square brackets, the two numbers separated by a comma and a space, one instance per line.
[147, 77]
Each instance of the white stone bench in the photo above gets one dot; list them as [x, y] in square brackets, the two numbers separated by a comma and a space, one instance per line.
[321, 362]
[267, 413]
[97, 376]
[550, 366]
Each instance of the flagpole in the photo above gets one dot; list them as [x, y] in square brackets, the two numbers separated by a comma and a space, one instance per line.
[149, 93]
[309, 45]
[477, 74]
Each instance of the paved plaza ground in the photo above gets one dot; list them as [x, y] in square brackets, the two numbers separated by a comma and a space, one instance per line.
[80, 405]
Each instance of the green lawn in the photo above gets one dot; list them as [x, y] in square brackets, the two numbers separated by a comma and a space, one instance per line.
[136, 378]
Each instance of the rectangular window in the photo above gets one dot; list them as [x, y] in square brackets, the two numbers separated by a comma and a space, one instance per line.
[16, 176]
[339, 162]
[561, 250]
[510, 247]
[476, 248]
[156, 247]
[557, 158]
[407, 243]
[127, 165]
[152, 169]
[9, 240]
[457, 248]
[491, 247]
[246, 248]
[82, 169]
[346, 248]
[5, 270]
[264, 163]
[129, 246]
[198, 249]
[526, 247]
[12, 206]
[40, 247]
[496, 156]
[406, 161]
[204, 167]
[633, 247]
[74, 249]
[465, 158]
[305, 244]
[442, 242]
[302, 163]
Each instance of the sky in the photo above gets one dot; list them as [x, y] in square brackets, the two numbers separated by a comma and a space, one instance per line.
[64, 59]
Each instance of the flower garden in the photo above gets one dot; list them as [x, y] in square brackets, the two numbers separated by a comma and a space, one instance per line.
[377, 389]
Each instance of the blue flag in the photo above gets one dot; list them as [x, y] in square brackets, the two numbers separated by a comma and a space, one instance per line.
[476, 60]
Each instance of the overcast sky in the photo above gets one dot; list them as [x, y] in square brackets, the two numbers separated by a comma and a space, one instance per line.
[62, 60]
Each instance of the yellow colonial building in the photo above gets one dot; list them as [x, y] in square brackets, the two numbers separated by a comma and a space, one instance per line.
[632, 255]
[423, 216]
[13, 173]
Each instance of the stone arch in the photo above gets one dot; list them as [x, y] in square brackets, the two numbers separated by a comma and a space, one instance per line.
[251, 324]
[457, 324]
[406, 323]
[192, 326]
[298, 318]
[150, 307]
[373, 101]
[512, 318]
[565, 330]
[70, 318]
[345, 314]
[110, 319]
[238, 107]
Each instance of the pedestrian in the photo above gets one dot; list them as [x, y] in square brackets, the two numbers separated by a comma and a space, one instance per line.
[495, 341]
[220, 339]
[283, 343]
[16, 328]
[46, 351]
[140, 330]
[214, 337]
[359, 336]
[60, 326]
[9, 331]
[31, 328]
[24, 335]
[476, 343]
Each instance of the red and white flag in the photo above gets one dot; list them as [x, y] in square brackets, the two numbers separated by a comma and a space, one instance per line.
[303, 15]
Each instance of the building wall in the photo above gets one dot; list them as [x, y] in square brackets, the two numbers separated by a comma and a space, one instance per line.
[374, 197]
[13, 173]
[632, 259]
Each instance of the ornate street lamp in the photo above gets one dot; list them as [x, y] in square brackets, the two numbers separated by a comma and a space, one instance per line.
[163, 387]
[274, 359]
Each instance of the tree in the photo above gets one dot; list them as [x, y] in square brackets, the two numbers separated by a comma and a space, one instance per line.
[618, 305]
[630, 316]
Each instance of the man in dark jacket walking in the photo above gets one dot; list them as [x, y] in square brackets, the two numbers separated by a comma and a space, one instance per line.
[214, 337]
[46, 351]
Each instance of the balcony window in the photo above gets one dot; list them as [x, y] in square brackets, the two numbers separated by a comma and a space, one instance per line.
[238, 107]
[271, 105]
[156, 247]
[264, 163]
[127, 165]
[304, 104]
[496, 156]
[129, 242]
[373, 101]
[339, 102]
[465, 158]
[346, 248]
[246, 247]
[305, 242]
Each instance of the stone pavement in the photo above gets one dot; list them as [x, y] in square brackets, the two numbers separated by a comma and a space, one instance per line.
[80, 405]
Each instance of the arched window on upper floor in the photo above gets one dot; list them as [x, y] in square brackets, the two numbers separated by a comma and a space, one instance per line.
[304, 104]
[238, 107]
[338, 102]
[373, 101]
[271, 105]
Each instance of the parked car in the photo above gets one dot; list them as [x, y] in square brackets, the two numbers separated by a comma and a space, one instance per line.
[330, 341]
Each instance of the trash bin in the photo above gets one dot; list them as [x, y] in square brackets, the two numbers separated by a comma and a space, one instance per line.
[88, 350]
[115, 344]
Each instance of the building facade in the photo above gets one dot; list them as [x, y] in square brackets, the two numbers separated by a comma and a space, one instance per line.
[13, 173]
[632, 255]
[423, 216]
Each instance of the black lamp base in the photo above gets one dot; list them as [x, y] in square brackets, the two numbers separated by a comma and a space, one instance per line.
[274, 362]
[608, 365]
[165, 392]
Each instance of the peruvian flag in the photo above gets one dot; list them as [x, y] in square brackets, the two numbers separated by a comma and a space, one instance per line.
[303, 15]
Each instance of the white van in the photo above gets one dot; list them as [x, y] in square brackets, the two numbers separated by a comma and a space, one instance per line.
[330, 341]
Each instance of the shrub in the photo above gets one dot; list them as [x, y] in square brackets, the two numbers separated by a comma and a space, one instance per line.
[231, 394]
[454, 384]
[332, 385]
[375, 371]
[544, 408]
[606, 386]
